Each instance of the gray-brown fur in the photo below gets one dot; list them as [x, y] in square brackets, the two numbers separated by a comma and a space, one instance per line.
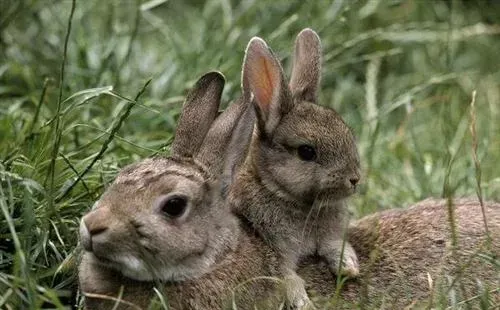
[198, 114]
[297, 204]
[400, 249]
[213, 157]
[306, 66]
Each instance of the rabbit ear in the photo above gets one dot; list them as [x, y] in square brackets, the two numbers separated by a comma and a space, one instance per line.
[238, 148]
[198, 113]
[213, 150]
[263, 77]
[306, 72]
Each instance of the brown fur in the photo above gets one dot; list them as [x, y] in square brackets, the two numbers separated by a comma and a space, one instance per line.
[401, 249]
[307, 66]
[236, 271]
[198, 102]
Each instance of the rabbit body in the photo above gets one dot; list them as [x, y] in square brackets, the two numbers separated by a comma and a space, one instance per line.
[301, 166]
[162, 223]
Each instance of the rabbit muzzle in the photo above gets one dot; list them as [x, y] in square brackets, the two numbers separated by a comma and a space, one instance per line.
[98, 236]
[340, 185]
[90, 227]
[94, 229]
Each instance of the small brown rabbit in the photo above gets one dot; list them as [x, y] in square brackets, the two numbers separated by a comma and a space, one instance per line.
[408, 262]
[302, 164]
[161, 224]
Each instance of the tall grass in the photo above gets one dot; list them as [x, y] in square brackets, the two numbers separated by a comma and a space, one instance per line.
[400, 72]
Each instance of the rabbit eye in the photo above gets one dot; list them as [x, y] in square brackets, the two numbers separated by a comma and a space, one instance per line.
[174, 207]
[306, 152]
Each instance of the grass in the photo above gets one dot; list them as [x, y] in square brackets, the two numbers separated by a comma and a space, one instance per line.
[402, 73]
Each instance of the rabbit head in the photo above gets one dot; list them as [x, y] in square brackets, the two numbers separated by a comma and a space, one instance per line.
[303, 151]
[161, 218]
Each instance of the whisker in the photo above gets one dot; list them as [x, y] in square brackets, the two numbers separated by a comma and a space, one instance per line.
[305, 223]
[308, 217]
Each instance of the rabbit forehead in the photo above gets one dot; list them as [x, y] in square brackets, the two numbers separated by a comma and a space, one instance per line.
[152, 170]
[308, 123]
[169, 181]
[141, 184]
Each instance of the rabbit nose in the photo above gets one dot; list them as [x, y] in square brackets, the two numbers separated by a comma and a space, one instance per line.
[354, 177]
[95, 223]
[95, 230]
[91, 225]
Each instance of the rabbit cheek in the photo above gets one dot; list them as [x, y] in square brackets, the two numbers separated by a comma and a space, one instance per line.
[332, 185]
[294, 177]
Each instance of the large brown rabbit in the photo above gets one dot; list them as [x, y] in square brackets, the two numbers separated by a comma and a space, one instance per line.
[161, 224]
[301, 166]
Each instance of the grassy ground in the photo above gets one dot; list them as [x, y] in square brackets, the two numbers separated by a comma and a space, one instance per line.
[401, 72]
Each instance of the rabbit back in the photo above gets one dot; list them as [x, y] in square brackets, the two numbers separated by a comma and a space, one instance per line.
[406, 257]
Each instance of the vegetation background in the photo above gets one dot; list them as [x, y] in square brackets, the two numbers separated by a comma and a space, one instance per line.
[402, 73]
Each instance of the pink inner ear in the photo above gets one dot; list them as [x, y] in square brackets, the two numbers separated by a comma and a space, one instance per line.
[263, 77]
[265, 84]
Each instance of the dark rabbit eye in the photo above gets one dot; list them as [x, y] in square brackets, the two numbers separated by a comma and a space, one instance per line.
[306, 152]
[174, 207]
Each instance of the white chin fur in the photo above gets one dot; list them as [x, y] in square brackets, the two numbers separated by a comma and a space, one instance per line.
[134, 268]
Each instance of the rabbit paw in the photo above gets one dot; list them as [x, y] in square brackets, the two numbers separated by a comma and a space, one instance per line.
[296, 294]
[350, 265]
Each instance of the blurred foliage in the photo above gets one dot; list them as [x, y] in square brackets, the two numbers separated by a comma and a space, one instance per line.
[400, 72]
